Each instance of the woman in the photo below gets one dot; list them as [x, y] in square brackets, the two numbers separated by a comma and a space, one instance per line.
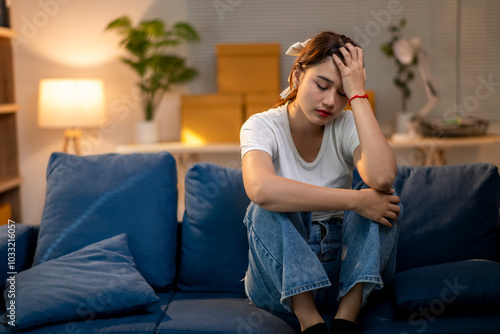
[298, 157]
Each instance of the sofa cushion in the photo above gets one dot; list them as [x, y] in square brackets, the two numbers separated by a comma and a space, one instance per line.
[24, 242]
[377, 317]
[98, 280]
[214, 250]
[465, 287]
[91, 198]
[450, 214]
[195, 312]
[143, 321]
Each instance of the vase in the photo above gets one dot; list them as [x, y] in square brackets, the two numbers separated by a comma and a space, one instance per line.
[402, 121]
[146, 132]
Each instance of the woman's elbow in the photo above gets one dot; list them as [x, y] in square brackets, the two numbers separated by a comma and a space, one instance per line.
[384, 181]
[263, 198]
[381, 181]
[257, 194]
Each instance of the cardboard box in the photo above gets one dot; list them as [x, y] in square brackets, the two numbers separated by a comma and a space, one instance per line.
[248, 68]
[211, 118]
[256, 103]
[5, 213]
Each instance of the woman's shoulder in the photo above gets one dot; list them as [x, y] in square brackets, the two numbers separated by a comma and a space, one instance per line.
[270, 116]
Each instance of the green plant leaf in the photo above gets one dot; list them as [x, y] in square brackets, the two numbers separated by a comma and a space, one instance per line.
[393, 29]
[139, 66]
[146, 44]
[403, 73]
[183, 74]
[387, 49]
[410, 76]
[406, 92]
[153, 28]
[121, 24]
[185, 31]
[170, 42]
[398, 83]
[138, 42]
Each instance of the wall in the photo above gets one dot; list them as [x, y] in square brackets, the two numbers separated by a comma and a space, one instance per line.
[66, 38]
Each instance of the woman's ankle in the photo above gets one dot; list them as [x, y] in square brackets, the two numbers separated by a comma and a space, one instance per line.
[305, 309]
[351, 304]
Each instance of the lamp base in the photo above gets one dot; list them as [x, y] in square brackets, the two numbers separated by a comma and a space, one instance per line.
[72, 135]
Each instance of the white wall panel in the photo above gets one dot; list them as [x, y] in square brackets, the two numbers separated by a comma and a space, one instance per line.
[435, 22]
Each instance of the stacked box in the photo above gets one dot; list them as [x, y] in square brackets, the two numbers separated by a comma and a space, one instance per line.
[247, 81]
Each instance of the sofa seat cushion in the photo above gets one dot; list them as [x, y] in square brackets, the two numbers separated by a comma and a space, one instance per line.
[378, 317]
[99, 280]
[193, 312]
[450, 214]
[91, 198]
[214, 249]
[464, 287]
[142, 321]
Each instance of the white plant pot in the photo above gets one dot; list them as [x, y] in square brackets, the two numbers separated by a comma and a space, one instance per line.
[146, 132]
[402, 121]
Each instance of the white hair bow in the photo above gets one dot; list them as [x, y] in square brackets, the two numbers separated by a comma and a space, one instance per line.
[296, 48]
[293, 50]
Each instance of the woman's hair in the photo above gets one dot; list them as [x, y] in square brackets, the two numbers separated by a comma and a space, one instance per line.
[323, 45]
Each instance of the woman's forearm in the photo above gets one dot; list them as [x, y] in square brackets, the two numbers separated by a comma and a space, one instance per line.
[276, 193]
[376, 161]
[284, 195]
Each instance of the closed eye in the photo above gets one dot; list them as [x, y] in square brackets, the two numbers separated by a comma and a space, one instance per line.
[342, 94]
[321, 87]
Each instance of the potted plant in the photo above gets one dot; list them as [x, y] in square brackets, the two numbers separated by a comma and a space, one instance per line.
[397, 48]
[147, 44]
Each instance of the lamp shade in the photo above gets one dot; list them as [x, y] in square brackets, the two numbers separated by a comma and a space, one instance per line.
[67, 103]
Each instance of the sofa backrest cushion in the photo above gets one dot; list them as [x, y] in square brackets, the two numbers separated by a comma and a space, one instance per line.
[214, 249]
[92, 198]
[25, 242]
[450, 213]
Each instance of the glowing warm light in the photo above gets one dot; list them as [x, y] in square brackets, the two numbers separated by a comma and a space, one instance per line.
[67, 103]
[191, 137]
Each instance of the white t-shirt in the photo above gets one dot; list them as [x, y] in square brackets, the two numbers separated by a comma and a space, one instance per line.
[269, 131]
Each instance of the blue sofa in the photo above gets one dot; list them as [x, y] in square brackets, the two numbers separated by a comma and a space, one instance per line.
[110, 257]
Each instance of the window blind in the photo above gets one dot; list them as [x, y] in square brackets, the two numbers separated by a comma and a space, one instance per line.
[460, 37]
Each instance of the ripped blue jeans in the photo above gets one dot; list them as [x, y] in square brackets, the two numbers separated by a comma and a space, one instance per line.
[290, 254]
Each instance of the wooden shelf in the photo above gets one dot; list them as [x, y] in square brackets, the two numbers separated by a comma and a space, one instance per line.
[9, 184]
[181, 148]
[432, 150]
[10, 180]
[7, 32]
[9, 108]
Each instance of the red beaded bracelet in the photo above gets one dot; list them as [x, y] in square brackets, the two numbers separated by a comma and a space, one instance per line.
[356, 96]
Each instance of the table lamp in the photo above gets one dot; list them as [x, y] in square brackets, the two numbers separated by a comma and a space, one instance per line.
[70, 104]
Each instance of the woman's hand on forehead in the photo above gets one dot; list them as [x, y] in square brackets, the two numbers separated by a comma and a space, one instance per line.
[352, 70]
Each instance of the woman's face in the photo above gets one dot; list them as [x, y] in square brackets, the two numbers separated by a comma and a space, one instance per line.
[320, 94]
